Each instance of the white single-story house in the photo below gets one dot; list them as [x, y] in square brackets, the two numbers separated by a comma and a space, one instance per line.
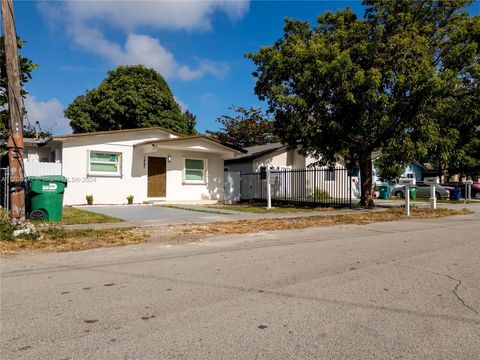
[152, 164]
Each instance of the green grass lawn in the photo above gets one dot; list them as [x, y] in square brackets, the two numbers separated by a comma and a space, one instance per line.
[73, 216]
[261, 208]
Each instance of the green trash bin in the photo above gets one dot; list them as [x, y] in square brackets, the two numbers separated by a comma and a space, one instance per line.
[46, 197]
[413, 192]
[384, 191]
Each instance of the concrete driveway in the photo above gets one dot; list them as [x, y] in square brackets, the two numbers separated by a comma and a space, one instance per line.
[150, 215]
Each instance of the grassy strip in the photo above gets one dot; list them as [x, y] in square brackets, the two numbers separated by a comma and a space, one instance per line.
[59, 239]
[192, 209]
[72, 216]
[249, 226]
[261, 209]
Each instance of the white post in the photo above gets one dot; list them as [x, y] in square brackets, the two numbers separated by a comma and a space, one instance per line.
[433, 198]
[468, 190]
[269, 192]
[407, 199]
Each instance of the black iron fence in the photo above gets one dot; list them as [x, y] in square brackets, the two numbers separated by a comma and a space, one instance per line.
[4, 193]
[313, 187]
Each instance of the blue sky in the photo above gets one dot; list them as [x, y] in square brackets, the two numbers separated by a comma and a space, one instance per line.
[198, 46]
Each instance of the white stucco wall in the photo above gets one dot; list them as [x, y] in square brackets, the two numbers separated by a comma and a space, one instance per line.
[134, 163]
[177, 189]
[287, 158]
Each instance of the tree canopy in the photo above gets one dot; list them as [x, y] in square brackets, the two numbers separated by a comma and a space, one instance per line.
[248, 128]
[129, 97]
[388, 169]
[26, 68]
[349, 86]
[191, 122]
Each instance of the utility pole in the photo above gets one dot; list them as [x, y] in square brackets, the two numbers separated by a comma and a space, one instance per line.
[15, 140]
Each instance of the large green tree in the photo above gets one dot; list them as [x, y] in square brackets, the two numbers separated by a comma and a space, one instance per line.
[388, 169]
[191, 122]
[350, 86]
[26, 68]
[249, 127]
[129, 97]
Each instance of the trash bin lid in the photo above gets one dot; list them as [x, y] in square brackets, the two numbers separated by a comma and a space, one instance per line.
[48, 178]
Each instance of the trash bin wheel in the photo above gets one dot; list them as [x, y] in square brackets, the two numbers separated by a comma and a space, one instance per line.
[37, 215]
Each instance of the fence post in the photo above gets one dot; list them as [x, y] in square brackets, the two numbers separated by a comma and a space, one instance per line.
[407, 199]
[269, 191]
[350, 188]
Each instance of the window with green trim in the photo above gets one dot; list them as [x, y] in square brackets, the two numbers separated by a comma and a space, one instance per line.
[104, 163]
[195, 170]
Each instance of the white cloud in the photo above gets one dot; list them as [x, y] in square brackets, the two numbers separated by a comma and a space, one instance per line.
[183, 105]
[84, 19]
[48, 113]
[171, 15]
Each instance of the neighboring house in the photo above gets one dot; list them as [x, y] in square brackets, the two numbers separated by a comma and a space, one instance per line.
[42, 157]
[415, 171]
[152, 164]
[275, 155]
[280, 157]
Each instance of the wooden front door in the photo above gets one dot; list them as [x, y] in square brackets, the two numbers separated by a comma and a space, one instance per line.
[157, 177]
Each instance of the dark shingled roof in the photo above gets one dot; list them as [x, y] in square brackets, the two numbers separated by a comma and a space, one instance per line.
[254, 152]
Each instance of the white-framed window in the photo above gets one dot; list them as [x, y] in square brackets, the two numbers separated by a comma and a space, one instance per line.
[103, 163]
[195, 171]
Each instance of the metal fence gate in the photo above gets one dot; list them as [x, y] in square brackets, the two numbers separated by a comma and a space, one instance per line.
[311, 187]
[4, 188]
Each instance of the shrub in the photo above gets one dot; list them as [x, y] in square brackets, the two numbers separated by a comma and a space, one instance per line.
[6, 227]
[320, 194]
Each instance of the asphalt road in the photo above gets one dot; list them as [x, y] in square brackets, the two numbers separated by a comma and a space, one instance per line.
[401, 290]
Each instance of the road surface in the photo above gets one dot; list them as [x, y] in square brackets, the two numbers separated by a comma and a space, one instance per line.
[400, 290]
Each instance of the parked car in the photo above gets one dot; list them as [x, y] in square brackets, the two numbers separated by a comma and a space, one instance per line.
[476, 188]
[461, 185]
[423, 191]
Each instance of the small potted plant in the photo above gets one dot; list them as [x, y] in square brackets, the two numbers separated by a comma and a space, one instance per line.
[89, 199]
[130, 199]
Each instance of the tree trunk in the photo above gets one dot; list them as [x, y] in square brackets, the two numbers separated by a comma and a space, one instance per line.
[366, 179]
